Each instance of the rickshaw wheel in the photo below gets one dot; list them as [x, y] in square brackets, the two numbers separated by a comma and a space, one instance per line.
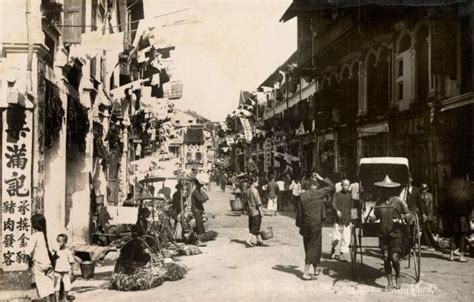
[353, 250]
[416, 249]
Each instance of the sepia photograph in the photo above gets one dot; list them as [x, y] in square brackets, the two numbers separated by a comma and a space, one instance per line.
[236, 150]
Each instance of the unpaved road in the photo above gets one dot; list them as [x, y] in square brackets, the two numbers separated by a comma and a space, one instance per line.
[227, 271]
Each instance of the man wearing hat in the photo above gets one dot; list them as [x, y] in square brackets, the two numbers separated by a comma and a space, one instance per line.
[391, 211]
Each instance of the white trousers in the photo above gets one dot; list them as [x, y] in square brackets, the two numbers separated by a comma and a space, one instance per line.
[272, 204]
[342, 234]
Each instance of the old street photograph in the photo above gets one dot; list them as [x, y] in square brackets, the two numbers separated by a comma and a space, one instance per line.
[236, 150]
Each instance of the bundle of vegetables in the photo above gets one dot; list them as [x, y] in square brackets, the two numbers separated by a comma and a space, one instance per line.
[174, 271]
[150, 276]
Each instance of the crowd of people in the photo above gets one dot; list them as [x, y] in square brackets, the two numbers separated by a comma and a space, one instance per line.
[317, 200]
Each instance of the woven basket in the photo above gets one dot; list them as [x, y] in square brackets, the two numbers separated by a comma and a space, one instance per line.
[267, 233]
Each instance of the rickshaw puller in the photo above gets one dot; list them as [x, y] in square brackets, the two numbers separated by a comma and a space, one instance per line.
[391, 211]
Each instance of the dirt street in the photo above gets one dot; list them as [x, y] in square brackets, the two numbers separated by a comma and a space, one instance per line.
[228, 271]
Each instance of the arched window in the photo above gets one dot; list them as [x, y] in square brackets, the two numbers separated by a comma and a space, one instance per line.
[198, 157]
[189, 157]
[349, 94]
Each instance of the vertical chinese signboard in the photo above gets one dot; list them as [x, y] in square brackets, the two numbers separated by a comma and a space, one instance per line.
[247, 129]
[17, 138]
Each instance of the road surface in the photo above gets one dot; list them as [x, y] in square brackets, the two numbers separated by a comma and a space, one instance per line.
[228, 271]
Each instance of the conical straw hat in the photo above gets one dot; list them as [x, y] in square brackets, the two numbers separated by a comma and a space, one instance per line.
[387, 183]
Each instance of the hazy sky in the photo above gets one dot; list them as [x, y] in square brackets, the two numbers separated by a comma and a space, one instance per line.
[236, 44]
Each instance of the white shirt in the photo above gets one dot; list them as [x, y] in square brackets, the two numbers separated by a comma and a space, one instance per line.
[403, 195]
[64, 261]
[281, 185]
[37, 249]
[295, 188]
[354, 188]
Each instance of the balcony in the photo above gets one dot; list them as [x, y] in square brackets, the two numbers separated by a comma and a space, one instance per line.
[51, 14]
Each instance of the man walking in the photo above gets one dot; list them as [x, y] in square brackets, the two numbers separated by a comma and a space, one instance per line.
[272, 194]
[313, 213]
[427, 217]
[342, 204]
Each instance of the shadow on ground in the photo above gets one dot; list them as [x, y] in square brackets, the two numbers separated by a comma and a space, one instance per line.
[289, 269]
[342, 271]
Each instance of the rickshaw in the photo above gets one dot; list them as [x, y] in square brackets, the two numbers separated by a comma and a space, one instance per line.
[372, 170]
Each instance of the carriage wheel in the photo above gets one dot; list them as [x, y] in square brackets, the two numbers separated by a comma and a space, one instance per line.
[416, 249]
[353, 249]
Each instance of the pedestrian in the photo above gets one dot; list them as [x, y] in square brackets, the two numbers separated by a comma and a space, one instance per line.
[427, 215]
[412, 197]
[176, 204]
[198, 198]
[244, 193]
[459, 227]
[41, 259]
[313, 213]
[63, 268]
[281, 194]
[355, 188]
[287, 195]
[391, 211]
[255, 213]
[104, 218]
[141, 226]
[342, 205]
[295, 188]
[305, 182]
[272, 194]
[223, 181]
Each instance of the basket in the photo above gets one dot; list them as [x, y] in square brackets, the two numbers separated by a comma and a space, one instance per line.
[267, 233]
[87, 269]
[236, 205]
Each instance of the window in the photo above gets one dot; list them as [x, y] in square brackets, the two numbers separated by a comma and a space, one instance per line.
[189, 157]
[190, 121]
[404, 80]
[198, 157]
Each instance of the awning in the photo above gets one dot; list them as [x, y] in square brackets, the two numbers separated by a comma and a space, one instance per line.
[457, 101]
[308, 5]
[373, 129]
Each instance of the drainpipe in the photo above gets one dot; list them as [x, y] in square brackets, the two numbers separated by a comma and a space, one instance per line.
[29, 69]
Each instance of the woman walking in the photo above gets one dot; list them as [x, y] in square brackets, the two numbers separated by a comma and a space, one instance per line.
[255, 213]
[42, 259]
[198, 198]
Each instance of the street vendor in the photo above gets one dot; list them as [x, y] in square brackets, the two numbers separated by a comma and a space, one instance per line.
[198, 197]
[391, 211]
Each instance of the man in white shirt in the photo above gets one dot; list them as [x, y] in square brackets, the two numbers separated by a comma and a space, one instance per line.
[295, 188]
[281, 193]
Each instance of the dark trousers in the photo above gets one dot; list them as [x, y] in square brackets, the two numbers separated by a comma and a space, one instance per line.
[199, 222]
[312, 246]
[428, 234]
[280, 200]
[459, 239]
[296, 201]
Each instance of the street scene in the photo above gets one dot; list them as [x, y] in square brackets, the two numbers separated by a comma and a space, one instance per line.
[236, 150]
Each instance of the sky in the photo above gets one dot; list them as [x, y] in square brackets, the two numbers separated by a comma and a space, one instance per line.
[224, 46]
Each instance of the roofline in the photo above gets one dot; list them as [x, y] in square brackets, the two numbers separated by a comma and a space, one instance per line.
[294, 8]
[292, 58]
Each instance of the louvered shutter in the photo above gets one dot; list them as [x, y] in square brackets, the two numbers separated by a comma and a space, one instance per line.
[73, 21]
